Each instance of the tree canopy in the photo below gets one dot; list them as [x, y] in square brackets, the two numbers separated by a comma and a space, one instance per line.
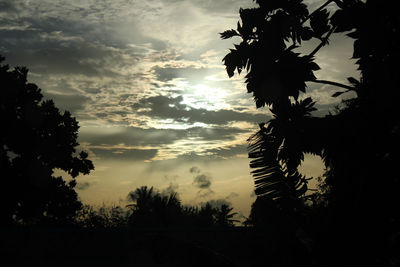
[150, 208]
[358, 143]
[36, 138]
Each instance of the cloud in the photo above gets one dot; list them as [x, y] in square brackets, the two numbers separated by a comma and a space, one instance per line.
[170, 141]
[125, 154]
[82, 186]
[205, 193]
[216, 203]
[7, 6]
[58, 54]
[129, 136]
[72, 102]
[202, 181]
[194, 169]
[165, 107]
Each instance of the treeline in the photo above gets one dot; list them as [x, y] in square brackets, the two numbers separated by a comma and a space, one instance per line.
[152, 209]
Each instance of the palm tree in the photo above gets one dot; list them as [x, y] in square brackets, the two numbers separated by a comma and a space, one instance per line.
[153, 209]
[224, 216]
[141, 208]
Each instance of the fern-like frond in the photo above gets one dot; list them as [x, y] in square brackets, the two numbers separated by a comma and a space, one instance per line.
[271, 177]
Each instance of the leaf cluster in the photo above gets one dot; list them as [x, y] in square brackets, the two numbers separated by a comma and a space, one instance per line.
[269, 35]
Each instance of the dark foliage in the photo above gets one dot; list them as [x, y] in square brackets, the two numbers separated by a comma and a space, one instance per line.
[153, 209]
[358, 144]
[36, 139]
[114, 217]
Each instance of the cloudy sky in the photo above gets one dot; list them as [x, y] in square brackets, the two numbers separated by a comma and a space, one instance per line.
[146, 83]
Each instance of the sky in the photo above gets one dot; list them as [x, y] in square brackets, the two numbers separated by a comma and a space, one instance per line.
[145, 81]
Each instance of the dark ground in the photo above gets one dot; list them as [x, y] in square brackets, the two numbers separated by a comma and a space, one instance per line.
[235, 246]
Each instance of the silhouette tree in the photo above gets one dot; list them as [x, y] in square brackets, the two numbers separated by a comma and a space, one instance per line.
[150, 208]
[36, 139]
[358, 143]
[224, 216]
[153, 209]
[206, 216]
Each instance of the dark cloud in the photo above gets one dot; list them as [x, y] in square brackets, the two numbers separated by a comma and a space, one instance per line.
[165, 74]
[216, 203]
[72, 103]
[165, 107]
[136, 136]
[62, 57]
[69, 40]
[205, 193]
[194, 169]
[125, 154]
[7, 6]
[202, 181]
[130, 136]
[82, 186]
[95, 22]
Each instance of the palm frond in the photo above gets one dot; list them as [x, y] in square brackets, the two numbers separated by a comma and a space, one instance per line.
[271, 176]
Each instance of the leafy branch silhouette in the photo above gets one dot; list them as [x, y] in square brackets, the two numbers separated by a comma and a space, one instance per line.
[357, 142]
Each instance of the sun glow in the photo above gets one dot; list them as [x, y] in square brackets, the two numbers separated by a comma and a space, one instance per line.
[202, 96]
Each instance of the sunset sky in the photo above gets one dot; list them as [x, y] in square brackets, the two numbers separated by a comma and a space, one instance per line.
[146, 83]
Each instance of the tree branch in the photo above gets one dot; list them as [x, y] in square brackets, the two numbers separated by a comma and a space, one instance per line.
[318, 9]
[335, 84]
[323, 42]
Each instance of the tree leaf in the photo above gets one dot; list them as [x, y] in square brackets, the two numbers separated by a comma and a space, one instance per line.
[353, 81]
[228, 34]
[306, 33]
[319, 23]
[338, 94]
